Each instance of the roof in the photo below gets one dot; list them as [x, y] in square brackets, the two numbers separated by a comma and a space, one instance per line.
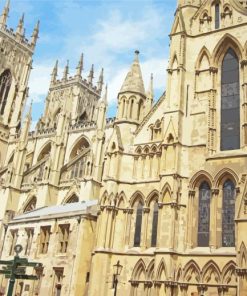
[81, 207]
[133, 81]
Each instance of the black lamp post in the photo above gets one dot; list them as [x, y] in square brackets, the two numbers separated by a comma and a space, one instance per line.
[117, 268]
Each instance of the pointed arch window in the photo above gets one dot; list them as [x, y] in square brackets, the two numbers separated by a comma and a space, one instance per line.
[138, 225]
[230, 102]
[31, 205]
[155, 225]
[217, 16]
[204, 215]
[228, 214]
[5, 84]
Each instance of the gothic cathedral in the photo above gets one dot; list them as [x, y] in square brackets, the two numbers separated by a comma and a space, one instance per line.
[161, 189]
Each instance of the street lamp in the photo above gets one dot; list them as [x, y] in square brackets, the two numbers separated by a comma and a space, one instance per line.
[117, 268]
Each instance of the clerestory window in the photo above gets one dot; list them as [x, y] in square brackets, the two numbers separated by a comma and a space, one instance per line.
[204, 215]
[230, 102]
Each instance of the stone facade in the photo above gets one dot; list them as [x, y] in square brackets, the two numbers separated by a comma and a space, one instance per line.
[169, 178]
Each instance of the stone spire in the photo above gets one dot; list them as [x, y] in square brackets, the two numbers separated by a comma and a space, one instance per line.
[54, 73]
[66, 71]
[20, 28]
[106, 94]
[101, 80]
[90, 76]
[133, 81]
[5, 14]
[26, 124]
[35, 35]
[80, 66]
[150, 92]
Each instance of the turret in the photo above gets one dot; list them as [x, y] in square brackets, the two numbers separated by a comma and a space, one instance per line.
[20, 27]
[79, 67]
[132, 96]
[150, 95]
[5, 14]
[101, 114]
[26, 125]
[35, 35]
[101, 80]
[66, 71]
[54, 73]
[91, 75]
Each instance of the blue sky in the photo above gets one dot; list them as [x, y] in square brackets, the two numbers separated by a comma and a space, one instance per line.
[106, 31]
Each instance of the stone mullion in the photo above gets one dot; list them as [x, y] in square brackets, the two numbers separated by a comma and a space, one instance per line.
[190, 219]
[128, 226]
[159, 226]
[163, 158]
[113, 228]
[104, 221]
[99, 228]
[145, 227]
[151, 165]
[135, 167]
[143, 166]
[158, 161]
[125, 211]
[213, 219]
[106, 229]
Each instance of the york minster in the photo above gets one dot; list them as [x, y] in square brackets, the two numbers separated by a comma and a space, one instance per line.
[159, 191]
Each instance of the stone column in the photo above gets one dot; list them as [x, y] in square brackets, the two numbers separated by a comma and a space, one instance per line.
[129, 213]
[190, 219]
[145, 227]
[213, 218]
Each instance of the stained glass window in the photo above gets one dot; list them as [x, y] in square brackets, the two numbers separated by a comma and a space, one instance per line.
[217, 16]
[138, 225]
[155, 225]
[204, 215]
[230, 110]
[5, 83]
[228, 214]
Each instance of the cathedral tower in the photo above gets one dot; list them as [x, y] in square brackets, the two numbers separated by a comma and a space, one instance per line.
[15, 65]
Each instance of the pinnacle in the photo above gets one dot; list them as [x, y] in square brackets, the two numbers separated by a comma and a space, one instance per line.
[133, 81]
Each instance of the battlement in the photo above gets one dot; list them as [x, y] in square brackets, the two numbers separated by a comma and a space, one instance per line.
[61, 83]
[18, 35]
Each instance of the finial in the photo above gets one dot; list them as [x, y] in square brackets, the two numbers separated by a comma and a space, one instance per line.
[137, 52]
[66, 71]
[29, 114]
[80, 66]
[20, 28]
[5, 14]
[90, 76]
[101, 80]
[106, 94]
[151, 87]
[35, 35]
[54, 73]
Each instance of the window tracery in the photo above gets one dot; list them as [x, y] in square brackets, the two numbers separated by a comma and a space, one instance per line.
[138, 225]
[217, 16]
[155, 224]
[230, 102]
[228, 214]
[5, 84]
[31, 205]
[204, 215]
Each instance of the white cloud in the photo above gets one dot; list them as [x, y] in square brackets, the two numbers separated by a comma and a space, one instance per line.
[109, 46]
[39, 82]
